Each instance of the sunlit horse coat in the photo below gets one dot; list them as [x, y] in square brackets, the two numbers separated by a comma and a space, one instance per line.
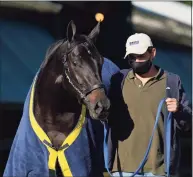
[80, 154]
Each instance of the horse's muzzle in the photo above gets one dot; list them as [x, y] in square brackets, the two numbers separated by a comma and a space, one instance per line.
[98, 104]
[101, 109]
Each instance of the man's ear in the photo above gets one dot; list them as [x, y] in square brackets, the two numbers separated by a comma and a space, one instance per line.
[153, 52]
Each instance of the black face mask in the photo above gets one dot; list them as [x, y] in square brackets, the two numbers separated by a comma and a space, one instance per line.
[140, 67]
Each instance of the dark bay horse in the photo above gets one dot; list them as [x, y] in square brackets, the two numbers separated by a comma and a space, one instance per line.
[71, 76]
[68, 82]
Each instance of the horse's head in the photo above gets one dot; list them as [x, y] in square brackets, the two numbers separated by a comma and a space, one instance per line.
[82, 68]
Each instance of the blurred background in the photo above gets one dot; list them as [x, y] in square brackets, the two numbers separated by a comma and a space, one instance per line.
[28, 28]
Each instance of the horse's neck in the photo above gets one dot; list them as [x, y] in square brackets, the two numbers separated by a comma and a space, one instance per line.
[55, 110]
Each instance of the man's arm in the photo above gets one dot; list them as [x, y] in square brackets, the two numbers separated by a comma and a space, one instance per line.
[184, 114]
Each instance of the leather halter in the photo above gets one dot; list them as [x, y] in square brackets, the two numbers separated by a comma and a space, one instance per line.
[83, 94]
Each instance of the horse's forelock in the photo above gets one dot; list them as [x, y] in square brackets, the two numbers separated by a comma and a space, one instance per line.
[63, 47]
[53, 47]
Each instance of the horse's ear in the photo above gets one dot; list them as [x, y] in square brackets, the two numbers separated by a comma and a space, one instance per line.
[68, 36]
[94, 33]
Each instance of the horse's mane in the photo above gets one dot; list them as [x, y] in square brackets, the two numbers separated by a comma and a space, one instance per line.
[52, 48]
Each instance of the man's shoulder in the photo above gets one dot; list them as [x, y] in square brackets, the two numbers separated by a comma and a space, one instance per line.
[172, 75]
[125, 71]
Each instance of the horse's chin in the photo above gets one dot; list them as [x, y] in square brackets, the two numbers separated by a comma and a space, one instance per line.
[102, 116]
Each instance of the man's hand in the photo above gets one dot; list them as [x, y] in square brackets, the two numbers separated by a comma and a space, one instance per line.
[172, 104]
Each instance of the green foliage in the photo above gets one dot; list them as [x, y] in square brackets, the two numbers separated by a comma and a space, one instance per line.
[187, 2]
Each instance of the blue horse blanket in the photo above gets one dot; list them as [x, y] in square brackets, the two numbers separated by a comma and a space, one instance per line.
[79, 156]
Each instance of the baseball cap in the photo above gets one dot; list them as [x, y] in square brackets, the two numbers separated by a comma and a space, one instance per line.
[138, 43]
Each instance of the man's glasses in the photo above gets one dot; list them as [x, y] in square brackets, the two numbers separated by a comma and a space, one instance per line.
[139, 57]
[134, 57]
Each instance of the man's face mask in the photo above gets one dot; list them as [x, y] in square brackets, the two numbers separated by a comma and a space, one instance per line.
[140, 67]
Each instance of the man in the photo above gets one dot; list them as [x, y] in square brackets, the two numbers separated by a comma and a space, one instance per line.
[135, 97]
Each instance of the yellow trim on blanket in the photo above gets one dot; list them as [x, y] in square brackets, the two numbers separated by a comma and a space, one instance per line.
[64, 167]
[53, 154]
[106, 174]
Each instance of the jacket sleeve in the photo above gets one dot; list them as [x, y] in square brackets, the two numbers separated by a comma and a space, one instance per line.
[184, 114]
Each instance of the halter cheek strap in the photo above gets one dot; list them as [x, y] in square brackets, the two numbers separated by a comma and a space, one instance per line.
[83, 94]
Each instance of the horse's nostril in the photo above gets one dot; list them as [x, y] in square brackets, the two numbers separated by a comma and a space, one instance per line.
[99, 107]
[100, 104]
